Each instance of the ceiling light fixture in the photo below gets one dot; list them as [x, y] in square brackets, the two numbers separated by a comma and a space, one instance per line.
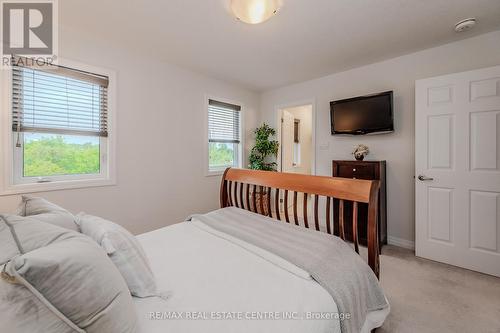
[255, 11]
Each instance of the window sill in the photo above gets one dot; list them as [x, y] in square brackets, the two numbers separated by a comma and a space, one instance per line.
[214, 173]
[55, 186]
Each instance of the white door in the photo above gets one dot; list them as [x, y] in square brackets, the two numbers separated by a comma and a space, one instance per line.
[458, 169]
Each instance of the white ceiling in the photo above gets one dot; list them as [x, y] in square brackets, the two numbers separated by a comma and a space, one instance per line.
[307, 39]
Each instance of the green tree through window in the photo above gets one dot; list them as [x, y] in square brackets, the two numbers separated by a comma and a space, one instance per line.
[221, 155]
[50, 155]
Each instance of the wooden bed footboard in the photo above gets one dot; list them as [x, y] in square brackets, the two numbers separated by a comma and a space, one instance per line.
[268, 193]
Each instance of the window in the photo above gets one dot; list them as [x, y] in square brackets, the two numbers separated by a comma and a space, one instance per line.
[59, 124]
[223, 136]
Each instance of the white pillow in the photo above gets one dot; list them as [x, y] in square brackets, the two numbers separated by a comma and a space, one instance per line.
[125, 252]
[46, 211]
[8, 245]
[19, 235]
[61, 281]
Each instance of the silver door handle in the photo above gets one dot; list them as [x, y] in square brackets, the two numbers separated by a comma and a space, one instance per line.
[424, 178]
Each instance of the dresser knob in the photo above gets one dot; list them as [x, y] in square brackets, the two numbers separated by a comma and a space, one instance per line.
[353, 169]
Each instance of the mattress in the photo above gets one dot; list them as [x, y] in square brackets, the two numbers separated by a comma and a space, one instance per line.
[213, 283]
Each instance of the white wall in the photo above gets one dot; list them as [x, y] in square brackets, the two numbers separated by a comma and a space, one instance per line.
[160, 167]
[398, 74]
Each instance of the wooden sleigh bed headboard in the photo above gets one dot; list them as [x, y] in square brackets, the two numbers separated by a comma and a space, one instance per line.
[253, 190]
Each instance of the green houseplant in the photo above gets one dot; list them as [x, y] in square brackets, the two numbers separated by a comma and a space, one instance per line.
[262, 157]
[265, 150]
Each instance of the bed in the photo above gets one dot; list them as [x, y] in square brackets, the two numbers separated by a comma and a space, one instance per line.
[208, 278]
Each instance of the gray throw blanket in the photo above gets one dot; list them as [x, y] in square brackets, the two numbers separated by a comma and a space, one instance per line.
[328, 259]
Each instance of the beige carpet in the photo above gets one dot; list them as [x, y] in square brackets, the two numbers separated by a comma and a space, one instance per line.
[426, 296]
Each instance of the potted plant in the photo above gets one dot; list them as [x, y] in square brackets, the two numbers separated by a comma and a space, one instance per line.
[263, 157]
[265, 150]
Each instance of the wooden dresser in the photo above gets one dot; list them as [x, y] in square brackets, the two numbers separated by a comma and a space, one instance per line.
[371, 170]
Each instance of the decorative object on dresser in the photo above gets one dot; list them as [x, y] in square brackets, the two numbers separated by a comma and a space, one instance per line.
[360, 151]
[370, 170]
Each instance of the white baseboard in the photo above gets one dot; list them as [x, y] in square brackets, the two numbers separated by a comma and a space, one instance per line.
[391, 240]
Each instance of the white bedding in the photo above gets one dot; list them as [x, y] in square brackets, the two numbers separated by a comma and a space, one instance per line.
[210, 275]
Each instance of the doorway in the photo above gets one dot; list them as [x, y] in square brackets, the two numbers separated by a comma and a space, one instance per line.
[296, 139]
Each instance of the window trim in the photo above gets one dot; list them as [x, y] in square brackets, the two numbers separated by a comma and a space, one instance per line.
[7, 180]
[241, 145]
[18, 161]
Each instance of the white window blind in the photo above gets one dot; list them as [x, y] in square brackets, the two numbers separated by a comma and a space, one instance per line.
[59, 100]
[223, 122]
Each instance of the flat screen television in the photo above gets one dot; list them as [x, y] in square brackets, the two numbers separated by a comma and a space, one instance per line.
[372, 114]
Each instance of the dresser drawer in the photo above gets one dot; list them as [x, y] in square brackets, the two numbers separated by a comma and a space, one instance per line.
[356, 171]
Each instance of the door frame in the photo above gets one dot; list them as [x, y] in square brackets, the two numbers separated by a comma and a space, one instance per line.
[278, 109]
